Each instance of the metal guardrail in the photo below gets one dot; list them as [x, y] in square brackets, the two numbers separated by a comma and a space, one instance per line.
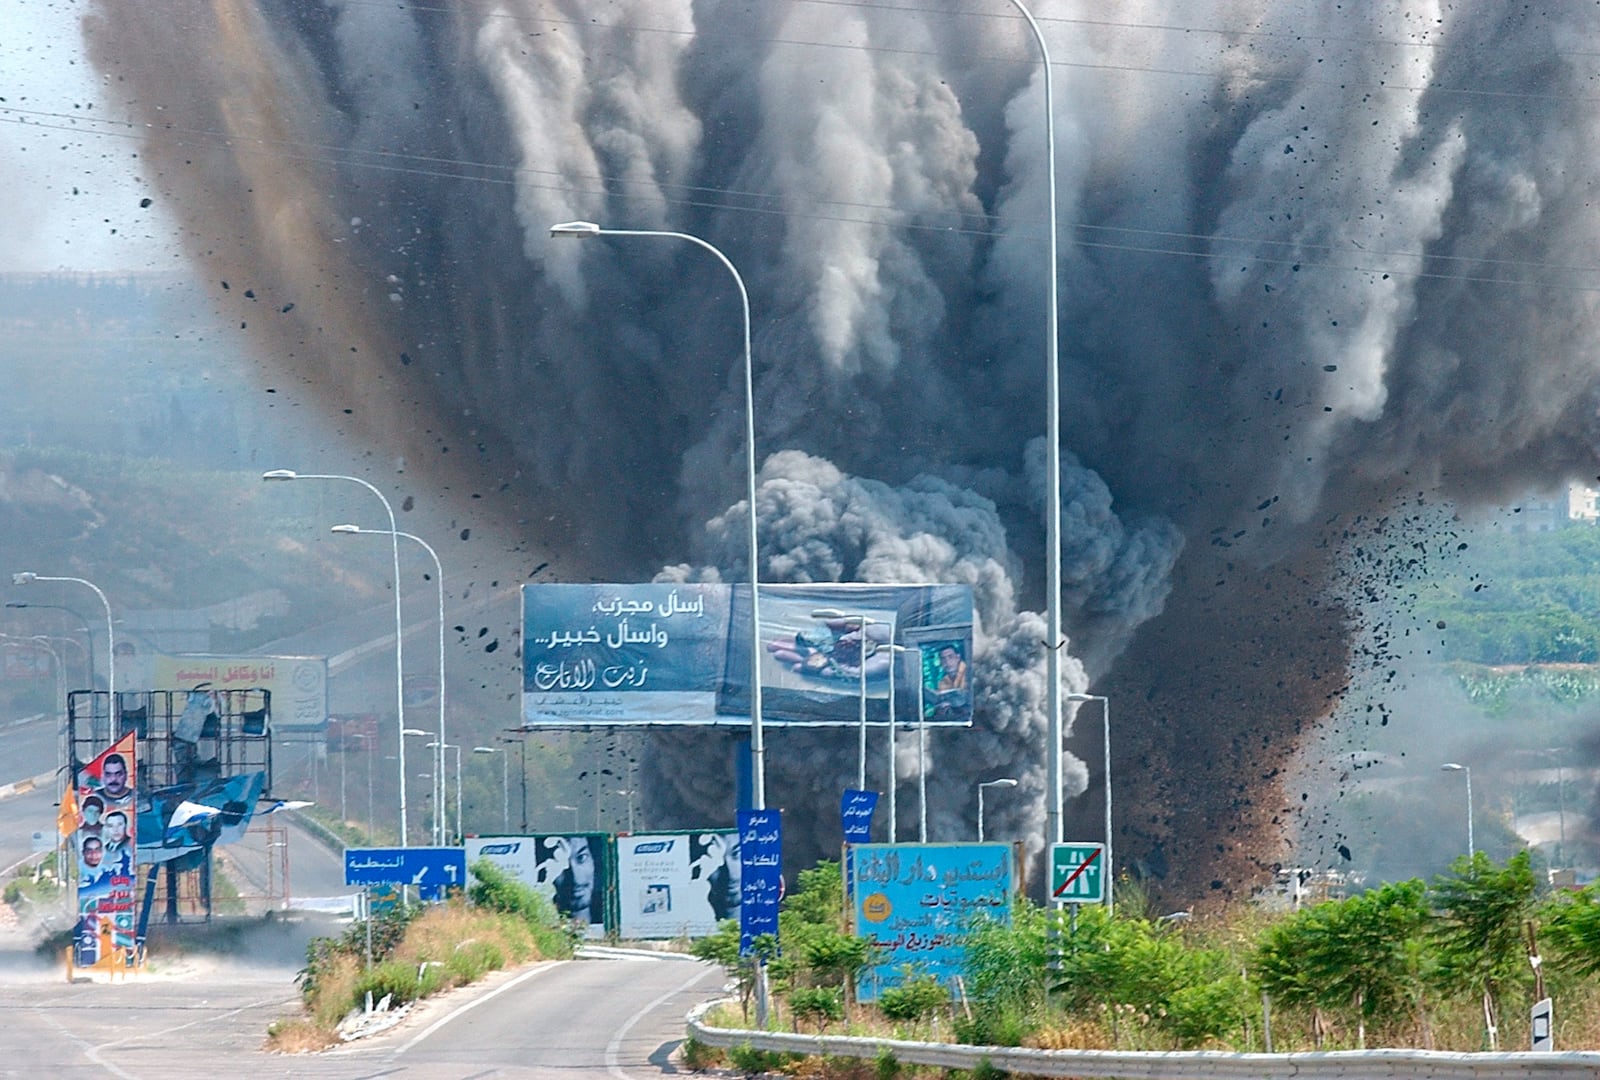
[1165, 1065]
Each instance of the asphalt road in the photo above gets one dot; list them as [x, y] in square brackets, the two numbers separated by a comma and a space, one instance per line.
[202, 1016]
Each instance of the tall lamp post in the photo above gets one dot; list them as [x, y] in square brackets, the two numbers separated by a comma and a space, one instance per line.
[505, 780]
[1053, 646]
[1451, 766]
[1003, 782]
[861, 622]
[399, 629]
[28, 577]
[1105, 740]
[438, 577]
[441, 747]
[758, 746]
[629, 793]
[574, 810]
[434, 829]
[84, 628]
[523, 743]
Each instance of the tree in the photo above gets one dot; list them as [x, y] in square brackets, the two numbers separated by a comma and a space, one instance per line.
[1478, 931]
[1357, 954]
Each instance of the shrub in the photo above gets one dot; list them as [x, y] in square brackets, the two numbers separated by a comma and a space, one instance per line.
[886, 1066]
[913, 1000]
[748, 1059]
[698, 1057]
[817, 1004]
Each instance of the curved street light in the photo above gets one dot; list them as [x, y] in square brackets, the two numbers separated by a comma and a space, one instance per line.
[438, 578]
[28, 577]
[1105, 716]
[399, 629]
[505, 779]
[758, 746]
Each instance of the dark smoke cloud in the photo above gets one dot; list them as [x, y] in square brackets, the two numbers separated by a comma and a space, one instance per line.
[1312, 256]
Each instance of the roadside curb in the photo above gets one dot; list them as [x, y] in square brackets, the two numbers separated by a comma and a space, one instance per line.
[22, 787]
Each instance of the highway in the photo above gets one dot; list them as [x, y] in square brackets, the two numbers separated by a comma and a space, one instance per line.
[202, 1016]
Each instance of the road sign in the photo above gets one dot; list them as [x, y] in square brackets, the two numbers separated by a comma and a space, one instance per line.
[1077, 873]
[431, 869]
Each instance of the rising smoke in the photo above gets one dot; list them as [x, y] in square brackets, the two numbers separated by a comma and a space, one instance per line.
[1312, 256]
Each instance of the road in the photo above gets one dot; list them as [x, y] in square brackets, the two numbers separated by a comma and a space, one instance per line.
[206, 1017]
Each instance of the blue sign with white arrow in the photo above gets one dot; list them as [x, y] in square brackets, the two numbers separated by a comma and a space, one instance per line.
[431, 869]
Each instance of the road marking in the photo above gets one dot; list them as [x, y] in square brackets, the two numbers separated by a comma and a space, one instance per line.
[473, 1004]
[614, 1047]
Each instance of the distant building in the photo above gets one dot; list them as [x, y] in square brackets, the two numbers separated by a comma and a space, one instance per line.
[1578, 505]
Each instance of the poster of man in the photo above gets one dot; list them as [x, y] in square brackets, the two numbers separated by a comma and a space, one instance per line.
[573, 867]
[105, 842]
[946, 681]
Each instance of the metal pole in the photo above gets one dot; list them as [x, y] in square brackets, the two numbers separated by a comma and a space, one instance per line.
[758, 746]
[1054, 643]
[461, 829]
[893, 779]
[505, 791]
[1472, 850]
[922, 757]
[399, 626]
[980, 812]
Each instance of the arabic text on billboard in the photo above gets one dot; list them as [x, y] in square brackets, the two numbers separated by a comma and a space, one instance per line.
[915, 903]
[680, 654]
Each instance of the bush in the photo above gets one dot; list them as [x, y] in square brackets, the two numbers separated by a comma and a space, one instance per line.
[913, 1000]
[994, 1027]
[886, 1066]
[748, 1059]
[699, 1057]
[817, 1004]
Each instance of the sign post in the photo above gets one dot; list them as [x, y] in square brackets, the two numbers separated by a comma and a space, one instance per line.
[432, 870]
[1077, 873]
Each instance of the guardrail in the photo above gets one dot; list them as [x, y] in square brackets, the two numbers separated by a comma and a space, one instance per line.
[1164, 1065]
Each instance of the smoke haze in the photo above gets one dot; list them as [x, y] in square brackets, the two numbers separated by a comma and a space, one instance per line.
[1313, 257]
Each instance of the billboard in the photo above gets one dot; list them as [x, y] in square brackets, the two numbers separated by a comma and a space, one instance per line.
[677, 884]
[914, 903]
[299, 684]
[680, 654]
[572, 871]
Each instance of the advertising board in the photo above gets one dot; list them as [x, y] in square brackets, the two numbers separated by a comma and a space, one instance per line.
[680, 654]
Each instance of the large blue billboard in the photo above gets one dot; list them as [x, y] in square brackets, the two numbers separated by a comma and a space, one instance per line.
[680, 654]
[915, 904]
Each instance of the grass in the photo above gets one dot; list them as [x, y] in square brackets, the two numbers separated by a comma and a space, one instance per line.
[445, 946]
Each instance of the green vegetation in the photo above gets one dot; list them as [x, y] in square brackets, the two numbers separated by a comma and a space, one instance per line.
[1442, 965]
[411, 952]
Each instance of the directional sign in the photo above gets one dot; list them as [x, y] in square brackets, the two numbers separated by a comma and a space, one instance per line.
[431, 869]
[1077, 873]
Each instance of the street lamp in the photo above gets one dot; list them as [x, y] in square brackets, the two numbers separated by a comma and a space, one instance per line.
[574, 810]
[629, 793]
[433, 786]
[1052, 584]
[505, 780]
[399, 629]
[438, 577]
[833, 615]
[1105, 740]
[1451, 766]
[523, 743]
[84, 628]
[368, 749]
[28, 577]
[441, 747]
[894, 780]
[1003, 782]
[758, 746]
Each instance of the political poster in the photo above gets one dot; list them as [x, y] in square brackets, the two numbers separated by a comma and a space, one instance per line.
[673, 885]
[571, 870]
[680, 654]
[104, 843]
[915, 903]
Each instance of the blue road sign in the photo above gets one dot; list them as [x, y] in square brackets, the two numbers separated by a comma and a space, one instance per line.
[760, 874]
[431, 869]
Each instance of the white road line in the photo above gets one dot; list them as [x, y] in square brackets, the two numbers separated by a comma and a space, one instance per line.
[614, 1047]
[473, 1004]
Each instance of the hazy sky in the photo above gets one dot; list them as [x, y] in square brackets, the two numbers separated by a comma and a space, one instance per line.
[72, 188]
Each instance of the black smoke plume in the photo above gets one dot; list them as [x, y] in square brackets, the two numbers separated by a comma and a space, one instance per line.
[1312, 256]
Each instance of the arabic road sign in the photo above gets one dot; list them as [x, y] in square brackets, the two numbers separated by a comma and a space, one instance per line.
[1077, 873]
[431, 869]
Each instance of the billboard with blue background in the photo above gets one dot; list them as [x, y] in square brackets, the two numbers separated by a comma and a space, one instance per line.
[679, 653]
[915, 903]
